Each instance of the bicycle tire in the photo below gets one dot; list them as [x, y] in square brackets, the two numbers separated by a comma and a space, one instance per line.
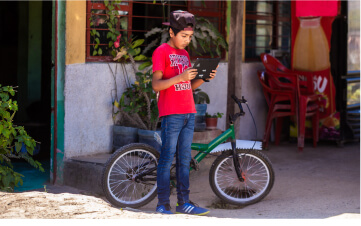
[118, 178]
[257, 172]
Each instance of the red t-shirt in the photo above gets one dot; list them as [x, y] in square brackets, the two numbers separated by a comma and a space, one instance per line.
[177, 99]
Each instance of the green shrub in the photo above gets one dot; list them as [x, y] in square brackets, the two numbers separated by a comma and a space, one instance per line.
[12, 138]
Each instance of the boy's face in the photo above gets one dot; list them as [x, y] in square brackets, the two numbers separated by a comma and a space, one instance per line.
[182, 39]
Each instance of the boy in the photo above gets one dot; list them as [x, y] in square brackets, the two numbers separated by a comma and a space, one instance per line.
[172, 78]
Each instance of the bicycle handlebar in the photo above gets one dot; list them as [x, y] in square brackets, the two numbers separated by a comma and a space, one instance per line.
[239, 102]
[232, 118]
[241, 112]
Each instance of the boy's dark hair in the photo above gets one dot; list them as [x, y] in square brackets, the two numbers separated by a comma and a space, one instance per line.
[175, 30]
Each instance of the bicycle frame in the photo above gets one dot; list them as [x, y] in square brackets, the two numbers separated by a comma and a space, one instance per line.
[130, 176]
[205, 149]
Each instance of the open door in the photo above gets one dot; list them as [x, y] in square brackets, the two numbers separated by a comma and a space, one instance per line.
[26, 64]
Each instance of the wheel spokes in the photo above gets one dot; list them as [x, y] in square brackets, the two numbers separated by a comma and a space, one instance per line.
[255, 173]
[121, 182]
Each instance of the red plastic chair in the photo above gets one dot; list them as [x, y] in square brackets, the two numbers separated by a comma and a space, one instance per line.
[281, 103]
[307, 105]
[308, 101]
[272, 64]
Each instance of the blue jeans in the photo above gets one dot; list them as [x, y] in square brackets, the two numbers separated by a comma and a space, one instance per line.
[177, 137]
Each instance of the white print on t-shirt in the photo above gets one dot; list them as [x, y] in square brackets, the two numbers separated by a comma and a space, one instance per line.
[182, 86]
[180, 61]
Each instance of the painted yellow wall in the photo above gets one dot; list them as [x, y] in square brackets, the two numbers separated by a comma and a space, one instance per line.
[75, 32]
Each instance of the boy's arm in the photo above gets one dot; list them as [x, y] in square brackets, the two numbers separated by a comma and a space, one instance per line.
[198, 82]
[159, 84]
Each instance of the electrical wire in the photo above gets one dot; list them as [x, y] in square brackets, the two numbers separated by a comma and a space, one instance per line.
[255, 126]
[254, 122]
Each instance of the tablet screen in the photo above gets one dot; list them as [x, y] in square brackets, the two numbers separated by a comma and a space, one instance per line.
[205, 66]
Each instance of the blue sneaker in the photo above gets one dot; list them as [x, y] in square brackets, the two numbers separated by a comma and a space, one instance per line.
[191, 208]
[164, 209]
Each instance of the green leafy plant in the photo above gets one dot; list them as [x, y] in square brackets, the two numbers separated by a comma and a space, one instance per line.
[215, 115]
[206, 36]
[119, 46]
[138, 104]
[200, 97]
[111, 18]
[124, 50]
[12, 138]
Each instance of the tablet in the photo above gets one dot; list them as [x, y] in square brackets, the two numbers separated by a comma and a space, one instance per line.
[205, 66]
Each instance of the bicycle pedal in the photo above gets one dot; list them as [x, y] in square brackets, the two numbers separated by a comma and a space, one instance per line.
[195, 164]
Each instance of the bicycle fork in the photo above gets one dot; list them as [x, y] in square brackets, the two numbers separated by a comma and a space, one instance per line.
[236, 164]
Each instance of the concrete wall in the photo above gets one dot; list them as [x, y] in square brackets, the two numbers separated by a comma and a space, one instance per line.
[88, 107]
[251, 89]
[88, 99]
[88, 104]
[217, 92]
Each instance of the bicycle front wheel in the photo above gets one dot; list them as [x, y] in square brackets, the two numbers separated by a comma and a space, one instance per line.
[130, 176]
[257, 173]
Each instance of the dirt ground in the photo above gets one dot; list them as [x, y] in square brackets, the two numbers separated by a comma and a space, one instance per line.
[63, 202]
[321, 183]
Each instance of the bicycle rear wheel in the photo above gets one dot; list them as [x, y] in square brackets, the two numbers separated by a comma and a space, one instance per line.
[130, 176]
[257, 173]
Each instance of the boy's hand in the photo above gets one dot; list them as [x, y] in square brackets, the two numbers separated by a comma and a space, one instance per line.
[213, 74]
[188, 74]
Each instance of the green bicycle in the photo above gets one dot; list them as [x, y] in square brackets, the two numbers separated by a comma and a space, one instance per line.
[241, 175]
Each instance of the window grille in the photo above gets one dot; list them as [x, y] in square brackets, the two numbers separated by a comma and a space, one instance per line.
[138, 17]
[268, 26]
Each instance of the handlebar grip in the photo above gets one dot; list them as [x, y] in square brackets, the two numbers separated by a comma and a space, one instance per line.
[238, 102]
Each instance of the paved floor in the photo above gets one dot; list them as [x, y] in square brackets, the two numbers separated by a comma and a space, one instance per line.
[319, 183]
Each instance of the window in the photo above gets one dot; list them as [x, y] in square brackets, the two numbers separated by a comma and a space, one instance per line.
[139, 17]
[268, 26]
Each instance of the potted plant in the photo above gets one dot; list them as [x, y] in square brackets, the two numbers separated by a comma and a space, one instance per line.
[126, 110]
[137, 108]
[201, 99]
[212, 120]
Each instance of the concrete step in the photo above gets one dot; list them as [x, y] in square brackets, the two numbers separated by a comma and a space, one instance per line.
[85, 172]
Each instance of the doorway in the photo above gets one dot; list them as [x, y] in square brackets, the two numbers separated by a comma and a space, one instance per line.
[25, 63]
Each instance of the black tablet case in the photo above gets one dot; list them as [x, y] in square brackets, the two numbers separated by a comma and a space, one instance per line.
[205, 66]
